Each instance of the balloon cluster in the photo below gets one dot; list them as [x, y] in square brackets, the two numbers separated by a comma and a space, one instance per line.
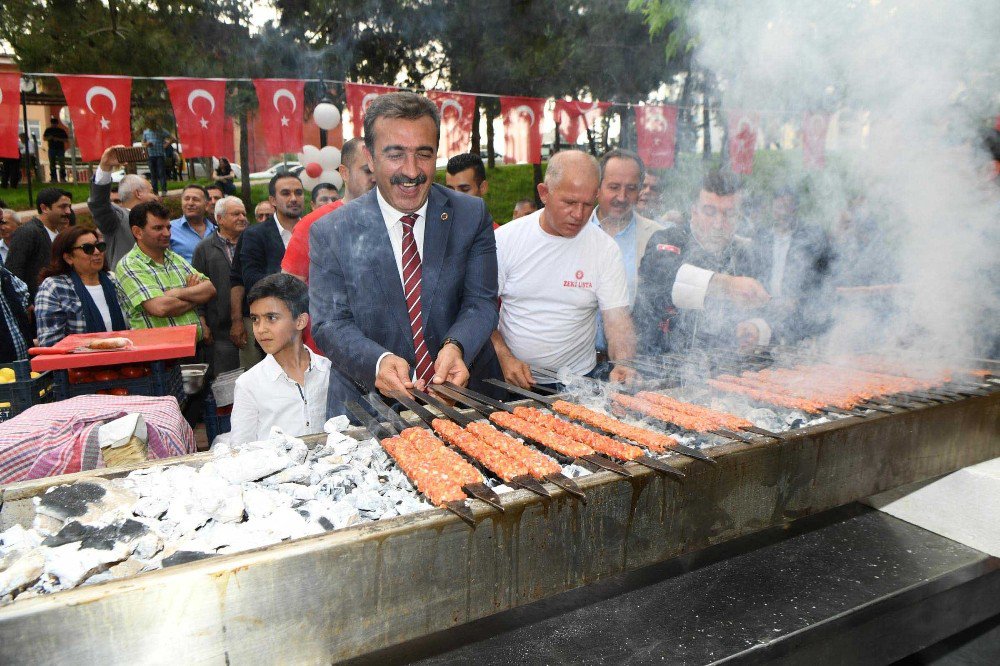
[321, 163]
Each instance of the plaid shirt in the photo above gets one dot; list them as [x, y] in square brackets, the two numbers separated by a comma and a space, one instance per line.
[140, 279]
[20, 344]
[156, 137]
[59, 311]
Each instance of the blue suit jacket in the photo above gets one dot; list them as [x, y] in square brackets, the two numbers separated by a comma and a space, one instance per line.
[356, 297]
[261, 251]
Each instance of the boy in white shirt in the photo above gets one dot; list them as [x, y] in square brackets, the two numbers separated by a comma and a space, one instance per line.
[288, 388]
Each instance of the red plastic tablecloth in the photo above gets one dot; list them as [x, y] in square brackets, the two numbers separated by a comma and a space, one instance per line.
[148, 344]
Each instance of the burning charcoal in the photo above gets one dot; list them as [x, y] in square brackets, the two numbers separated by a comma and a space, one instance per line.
[296, 474]
[764, 418]
[16, 538]
[186, 514]
[91, 502]
[98, 538]
[575, 471]
[183, 557]
[411, 505]
[150, 507]
[260, 503]
[20, 571]
[147, 546]
[337, 424]
[249, 466]
[298, 451]
[71, 564]
[297, 491]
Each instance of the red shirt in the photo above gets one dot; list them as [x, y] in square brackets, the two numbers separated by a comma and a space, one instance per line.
[296, 259]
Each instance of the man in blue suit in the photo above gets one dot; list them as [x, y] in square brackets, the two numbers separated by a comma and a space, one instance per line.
[403, 281]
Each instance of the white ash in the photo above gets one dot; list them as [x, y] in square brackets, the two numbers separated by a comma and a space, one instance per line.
[248, 496]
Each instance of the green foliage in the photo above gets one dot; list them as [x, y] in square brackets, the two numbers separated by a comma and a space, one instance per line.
[667, 16]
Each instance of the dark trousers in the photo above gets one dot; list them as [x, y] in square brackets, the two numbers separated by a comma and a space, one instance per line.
[158, 173]
[10, 172]
[57, 157]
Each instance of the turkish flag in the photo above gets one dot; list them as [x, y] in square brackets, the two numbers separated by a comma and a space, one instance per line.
[656, 131]
[522, 124]
[280, 103]
[359, 96]
[101, 110]
[456, 111]
[10, 92]
[742, 140]
[814, 126]
[228, 140]
[574, 116]
[200, 112]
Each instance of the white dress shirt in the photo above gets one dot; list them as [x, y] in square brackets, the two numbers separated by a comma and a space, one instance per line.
[285, 234]
[4, 249]
[394, 226]
[779, 258]
[265, 396]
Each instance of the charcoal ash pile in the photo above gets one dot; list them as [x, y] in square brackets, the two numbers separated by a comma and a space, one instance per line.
[246, 497]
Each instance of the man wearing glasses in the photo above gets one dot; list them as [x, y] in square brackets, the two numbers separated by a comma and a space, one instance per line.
[695, 288]
[264, 211]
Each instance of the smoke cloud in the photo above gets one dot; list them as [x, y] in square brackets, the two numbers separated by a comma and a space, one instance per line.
[922, 77]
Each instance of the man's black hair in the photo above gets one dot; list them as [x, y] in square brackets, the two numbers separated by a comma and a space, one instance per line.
[272, 185]
[213, 186]
[460, 163]
[321, 186]
[290, 290]
[195, 186]
[139, 215]
[48, 196]
[721, 183]
[350, 149]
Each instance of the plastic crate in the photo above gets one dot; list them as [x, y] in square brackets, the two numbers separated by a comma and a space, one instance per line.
[217, 419]
[25, 391]
[161, 381]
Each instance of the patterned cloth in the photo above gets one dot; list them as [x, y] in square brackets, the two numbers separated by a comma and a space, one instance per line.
[59, 312]
[61, 438]
[21, 289]
[140, 279]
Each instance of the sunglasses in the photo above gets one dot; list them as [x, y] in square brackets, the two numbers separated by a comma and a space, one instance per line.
[91, 248]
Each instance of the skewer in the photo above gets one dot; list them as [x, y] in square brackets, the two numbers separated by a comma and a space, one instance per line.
[464, 420]
[448, 390]
[376, 430]
[520, 481]
[676, 447]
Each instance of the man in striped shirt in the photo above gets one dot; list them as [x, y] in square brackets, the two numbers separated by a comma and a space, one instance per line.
[161, 287]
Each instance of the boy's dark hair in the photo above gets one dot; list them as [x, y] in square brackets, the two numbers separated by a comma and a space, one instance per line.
[272, 185]
[291, 291]
[48, 196]
[138, 216]
[463, 161]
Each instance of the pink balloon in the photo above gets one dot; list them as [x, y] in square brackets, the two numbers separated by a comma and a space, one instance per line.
[314, 169]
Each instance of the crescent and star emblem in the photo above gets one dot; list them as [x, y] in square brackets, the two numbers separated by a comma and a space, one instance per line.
[278, 94]
[101, 91]
[525, 109]
[367, 100]
[195, 94]
[452, 104]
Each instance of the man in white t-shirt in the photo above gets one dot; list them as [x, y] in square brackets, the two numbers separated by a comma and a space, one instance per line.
[556, 272]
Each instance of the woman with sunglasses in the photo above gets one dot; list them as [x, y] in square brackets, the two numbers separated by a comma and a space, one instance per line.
[77, 293]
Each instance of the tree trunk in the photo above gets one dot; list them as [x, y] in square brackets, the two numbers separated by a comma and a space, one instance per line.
[245, 160]
[490, 151]
[476, 141]
[538, 180]
[685, 117]
[706, 125]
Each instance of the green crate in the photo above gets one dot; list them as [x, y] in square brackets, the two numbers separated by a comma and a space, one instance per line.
[25, 391]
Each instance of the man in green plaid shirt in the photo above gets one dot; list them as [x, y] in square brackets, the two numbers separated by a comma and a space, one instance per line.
[161, 287]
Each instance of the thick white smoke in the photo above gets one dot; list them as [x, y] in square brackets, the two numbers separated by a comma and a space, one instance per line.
[925, 74]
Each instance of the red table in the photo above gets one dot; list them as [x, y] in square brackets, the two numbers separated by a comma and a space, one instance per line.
[148, 344]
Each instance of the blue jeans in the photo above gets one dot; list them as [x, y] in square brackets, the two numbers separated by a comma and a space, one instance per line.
[158, 173]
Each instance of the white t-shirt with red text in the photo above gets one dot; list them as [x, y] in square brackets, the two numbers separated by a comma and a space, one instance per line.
[551, 289]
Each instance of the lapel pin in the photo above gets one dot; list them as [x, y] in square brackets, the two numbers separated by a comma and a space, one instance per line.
[444, 216]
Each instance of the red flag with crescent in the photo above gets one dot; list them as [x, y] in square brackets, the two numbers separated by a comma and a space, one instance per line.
[456, 111]
[656, 132]
[359, 96]
[10, 93]
[280, 103]
[200, 112]
[814, 127]
[522, 125]
[742, 139]
[575, 116]
[100, 107]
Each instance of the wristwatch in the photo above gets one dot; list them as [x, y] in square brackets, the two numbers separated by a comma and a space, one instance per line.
[455, 342]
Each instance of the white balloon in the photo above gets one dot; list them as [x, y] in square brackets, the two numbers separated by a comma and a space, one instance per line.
[327, 116]
[331, 176]
[329, 157]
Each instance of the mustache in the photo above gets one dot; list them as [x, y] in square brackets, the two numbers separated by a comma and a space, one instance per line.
[400, 179]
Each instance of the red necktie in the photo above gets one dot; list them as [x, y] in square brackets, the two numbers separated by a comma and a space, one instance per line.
[411, 287]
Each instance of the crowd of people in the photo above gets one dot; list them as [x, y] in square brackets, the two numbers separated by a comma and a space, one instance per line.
[399, 282]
